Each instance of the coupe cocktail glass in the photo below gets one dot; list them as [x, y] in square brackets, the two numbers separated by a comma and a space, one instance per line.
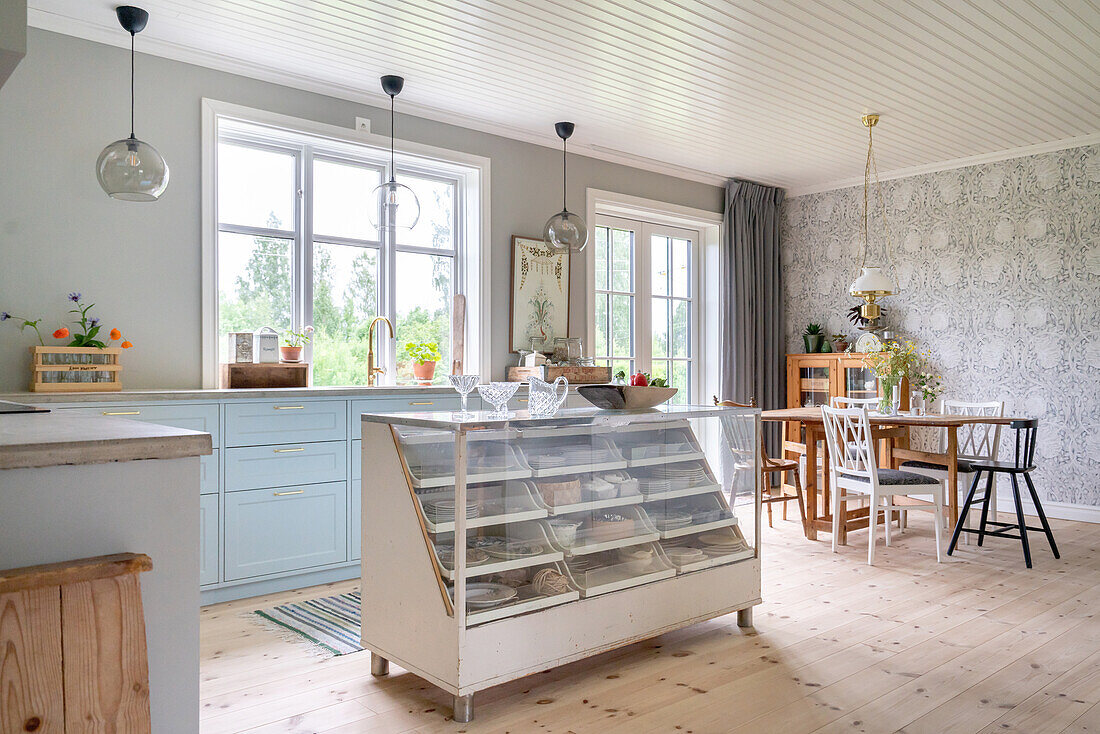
[498, 394]
[465, 384]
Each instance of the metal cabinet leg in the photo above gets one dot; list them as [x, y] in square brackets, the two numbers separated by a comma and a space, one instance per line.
[464, 708]
[379, 666]
[744, 617]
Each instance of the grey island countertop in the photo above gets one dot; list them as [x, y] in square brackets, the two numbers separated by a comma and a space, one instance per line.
[59, 437]
[281, 393]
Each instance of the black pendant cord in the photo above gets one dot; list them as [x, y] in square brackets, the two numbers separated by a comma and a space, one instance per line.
[393, 167]
[132, 34]
[564, 177]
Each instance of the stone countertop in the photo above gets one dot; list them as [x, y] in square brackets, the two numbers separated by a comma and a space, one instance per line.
[58, 438]
[282, 393]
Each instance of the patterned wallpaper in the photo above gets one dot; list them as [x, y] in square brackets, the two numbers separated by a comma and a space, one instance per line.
[999, 269]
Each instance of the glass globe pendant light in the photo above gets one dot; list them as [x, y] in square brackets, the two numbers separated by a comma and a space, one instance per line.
[396, 206]
[872, 282]
[130, 169]
[565, 231]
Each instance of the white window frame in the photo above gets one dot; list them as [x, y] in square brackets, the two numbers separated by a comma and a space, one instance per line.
[470, 174]
[649, 216]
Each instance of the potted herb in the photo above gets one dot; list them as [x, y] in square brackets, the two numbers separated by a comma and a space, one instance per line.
[840, 343]
[813, 338]
[424, 355]
[293, 342]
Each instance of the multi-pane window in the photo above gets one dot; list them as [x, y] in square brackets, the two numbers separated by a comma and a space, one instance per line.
[296, 248]
[644, 310]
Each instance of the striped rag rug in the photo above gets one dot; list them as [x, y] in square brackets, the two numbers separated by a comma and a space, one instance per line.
[329, 624]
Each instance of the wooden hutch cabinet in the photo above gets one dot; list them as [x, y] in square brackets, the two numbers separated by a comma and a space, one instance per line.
[814, 380]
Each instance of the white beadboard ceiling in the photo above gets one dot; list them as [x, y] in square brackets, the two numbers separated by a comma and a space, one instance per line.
[770, 90]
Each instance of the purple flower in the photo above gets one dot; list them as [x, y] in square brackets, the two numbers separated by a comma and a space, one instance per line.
[94, 321]
[74, 297]
[4, 315]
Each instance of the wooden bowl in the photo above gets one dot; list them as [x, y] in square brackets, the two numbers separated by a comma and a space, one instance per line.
[625, 397]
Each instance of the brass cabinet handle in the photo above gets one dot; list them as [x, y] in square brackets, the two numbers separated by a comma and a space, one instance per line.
[427, 403]
[289, 451]
[122, 412]
[521, 400]
[284, 494]
[289, 407]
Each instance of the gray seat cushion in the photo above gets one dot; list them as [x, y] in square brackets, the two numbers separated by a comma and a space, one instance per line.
[894, 477]
[964, 465]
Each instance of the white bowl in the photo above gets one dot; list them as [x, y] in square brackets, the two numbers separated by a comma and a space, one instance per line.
[565, 531]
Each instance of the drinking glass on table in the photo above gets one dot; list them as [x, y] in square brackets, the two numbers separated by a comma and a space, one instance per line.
[464, 384]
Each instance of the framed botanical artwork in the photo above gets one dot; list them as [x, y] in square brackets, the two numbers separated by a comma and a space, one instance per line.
[540, 293]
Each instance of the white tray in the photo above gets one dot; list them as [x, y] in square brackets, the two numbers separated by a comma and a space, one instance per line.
[533, 531]
[685, 492]
[619, 577]
[633, 499]
[515, 468]
[709, 503]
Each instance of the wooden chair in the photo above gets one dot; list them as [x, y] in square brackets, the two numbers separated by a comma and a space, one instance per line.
[769, 495]
[1023, 463]
[855, 476]
[977, 442]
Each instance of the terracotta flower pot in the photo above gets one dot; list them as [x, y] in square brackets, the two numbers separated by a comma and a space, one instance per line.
[424, 371]
[290, 354]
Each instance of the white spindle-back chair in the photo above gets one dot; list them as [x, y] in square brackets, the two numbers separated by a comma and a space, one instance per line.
[855, 476]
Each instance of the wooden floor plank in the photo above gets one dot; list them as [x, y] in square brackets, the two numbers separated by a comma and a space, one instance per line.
[838, 647]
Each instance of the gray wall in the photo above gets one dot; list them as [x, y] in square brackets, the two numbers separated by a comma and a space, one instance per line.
[999, 268]
[141, 262]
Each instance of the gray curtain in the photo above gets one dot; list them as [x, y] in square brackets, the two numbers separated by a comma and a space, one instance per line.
[753, 349]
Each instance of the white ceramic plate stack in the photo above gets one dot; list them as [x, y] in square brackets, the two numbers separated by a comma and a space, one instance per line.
[680, 476]
[669, 519]
[486, 595]
[546, 461]
[443, 510]
[474, 556]
[683, 555]
[514, 549]
[720, 544]
[652, 485]
[580, 455]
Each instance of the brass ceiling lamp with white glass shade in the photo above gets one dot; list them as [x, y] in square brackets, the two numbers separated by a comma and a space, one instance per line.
[565, 231]
[873, 281]
[395, 204]
[130, 169]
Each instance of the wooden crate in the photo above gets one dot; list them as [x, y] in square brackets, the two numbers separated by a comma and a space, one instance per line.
[576, 374]
[258, 376]
[73, 369]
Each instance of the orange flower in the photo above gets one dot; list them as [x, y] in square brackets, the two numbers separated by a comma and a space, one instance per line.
[126, 345]
[61, 333]
[115, 334]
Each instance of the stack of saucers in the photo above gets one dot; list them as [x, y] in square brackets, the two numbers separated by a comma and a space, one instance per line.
[546, 461]
[680, 475]
[720, 544]
[653, 485]
[669, 519]
[682, 555]
[443, 510]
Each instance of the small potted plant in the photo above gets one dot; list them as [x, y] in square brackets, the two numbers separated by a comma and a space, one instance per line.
[813, 338]
[293, 342]
[424, 355]
[840, 343]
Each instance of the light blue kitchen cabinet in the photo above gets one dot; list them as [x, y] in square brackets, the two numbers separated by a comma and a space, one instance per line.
[430, 403]
[192, 416]
[355, 490]
[270, 531]
[208, 474]
[209, 552]
[287, 421]
[253, 467]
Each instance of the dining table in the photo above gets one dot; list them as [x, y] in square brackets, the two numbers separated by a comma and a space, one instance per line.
[889, 430]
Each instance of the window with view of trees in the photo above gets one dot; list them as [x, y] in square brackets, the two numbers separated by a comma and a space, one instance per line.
[644, 310]
[296, 248]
